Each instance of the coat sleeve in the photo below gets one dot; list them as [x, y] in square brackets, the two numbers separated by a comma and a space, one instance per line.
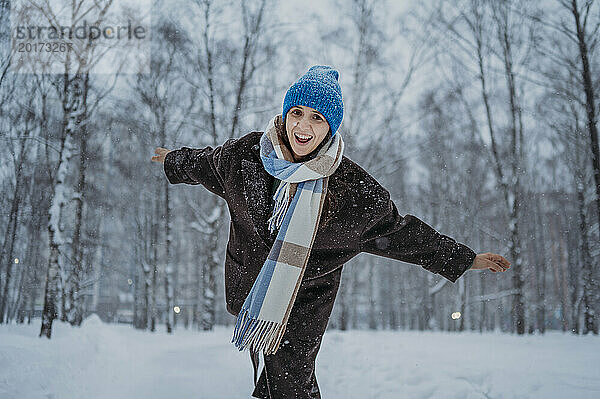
[207, 166]
[409, 239]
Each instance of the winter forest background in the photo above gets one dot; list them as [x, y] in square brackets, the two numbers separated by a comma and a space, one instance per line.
[479, 116]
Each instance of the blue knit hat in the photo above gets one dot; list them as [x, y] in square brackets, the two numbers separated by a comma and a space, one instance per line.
[318, 89]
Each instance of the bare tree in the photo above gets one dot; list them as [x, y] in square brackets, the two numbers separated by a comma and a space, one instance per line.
[6, 256]
[72, 93]
[163, 93]
[585, 40]
[248, 61]
[477, 29]
[365, 127]
[567, 124]
[72, 109]
[567, 71]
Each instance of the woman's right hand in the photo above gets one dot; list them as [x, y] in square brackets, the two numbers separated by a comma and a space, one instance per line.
[162, 152]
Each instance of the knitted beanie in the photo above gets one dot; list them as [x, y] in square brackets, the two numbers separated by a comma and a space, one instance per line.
[318, 89]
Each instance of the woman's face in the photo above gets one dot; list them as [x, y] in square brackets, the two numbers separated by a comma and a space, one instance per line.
[305, 128]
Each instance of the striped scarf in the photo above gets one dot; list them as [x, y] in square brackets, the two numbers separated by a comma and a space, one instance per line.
[262, 320]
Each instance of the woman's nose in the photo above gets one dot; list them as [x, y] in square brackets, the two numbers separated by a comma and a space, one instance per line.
[304, 122]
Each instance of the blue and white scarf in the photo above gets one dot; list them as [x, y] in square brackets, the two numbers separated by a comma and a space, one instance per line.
[262, 320]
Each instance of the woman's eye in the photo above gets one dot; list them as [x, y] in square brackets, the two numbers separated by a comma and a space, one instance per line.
[296, 112]
[317, 117]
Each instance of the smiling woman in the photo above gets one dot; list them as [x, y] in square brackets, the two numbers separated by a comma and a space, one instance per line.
[306, 130]
[288, 241]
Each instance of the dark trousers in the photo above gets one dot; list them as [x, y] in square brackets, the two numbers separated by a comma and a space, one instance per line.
[290, 372]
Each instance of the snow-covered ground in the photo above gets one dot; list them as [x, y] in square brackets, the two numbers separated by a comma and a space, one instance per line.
[116, 361]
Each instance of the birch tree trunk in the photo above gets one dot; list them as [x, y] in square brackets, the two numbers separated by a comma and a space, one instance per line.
[512, 191]
[371, 297]
[213, 223]
[540, 268]
[584, 287]
[154, 264]
[27, 267]
[198, 290]
[74, 311]
[168, 266]
[10, 237]
[6, 257]
[483, 324]
[147, 270]
[557, 269]
[462, 300]
[343, 305]
[569, 74]
[590, 286]
[73, 108]
[590, 106]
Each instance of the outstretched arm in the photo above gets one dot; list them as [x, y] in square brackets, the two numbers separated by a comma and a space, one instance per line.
[206, 166]
[411, 240]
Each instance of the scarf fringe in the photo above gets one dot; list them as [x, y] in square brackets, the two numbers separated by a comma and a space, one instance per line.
[257, 334]
[281, 204]
[250, 332]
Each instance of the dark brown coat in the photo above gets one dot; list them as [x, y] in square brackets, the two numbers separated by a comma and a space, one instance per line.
[359, 217]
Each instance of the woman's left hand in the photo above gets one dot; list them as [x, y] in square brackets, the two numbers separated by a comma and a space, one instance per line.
[488, 260]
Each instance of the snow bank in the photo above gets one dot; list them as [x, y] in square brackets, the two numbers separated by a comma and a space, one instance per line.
[102, 360]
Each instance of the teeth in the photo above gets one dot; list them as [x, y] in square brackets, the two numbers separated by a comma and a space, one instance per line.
[303, 137]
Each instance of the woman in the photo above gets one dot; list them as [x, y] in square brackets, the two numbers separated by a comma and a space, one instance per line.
[299, 211]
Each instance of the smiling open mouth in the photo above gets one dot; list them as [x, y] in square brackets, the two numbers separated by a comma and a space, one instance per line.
[302, 138]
